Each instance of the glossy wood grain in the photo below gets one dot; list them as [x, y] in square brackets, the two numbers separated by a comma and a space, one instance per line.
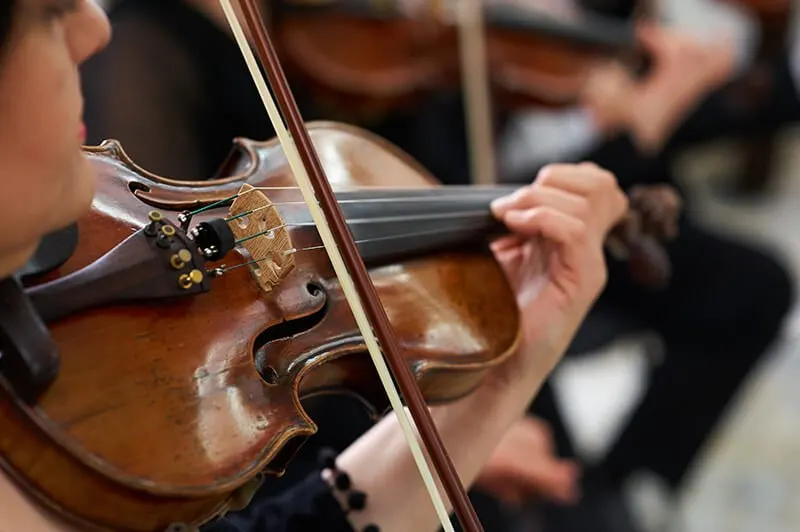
[374, 65]
[160, 412]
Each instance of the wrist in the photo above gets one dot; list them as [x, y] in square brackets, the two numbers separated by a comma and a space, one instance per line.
[507, 391]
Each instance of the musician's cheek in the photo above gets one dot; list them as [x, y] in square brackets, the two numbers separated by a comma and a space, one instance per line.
[45, 180]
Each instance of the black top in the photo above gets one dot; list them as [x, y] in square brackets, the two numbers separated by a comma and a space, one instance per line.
[306, 506]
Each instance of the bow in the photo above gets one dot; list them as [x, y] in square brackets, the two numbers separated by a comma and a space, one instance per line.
[348, 265]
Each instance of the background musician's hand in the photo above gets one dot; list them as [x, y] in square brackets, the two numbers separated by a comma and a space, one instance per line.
[555, 259]
[684, 69]
[525, 466]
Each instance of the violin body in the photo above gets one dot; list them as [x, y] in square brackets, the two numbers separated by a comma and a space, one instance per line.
[370, 64]
[366, 65]
[168, 412]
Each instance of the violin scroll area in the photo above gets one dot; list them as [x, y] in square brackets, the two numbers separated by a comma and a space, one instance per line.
[659, 207]
[652, 220]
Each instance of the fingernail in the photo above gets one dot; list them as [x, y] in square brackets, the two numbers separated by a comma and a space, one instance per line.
[515, 216]
[500, 204]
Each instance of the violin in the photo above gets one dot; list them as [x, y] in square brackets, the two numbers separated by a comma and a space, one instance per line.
[184, 352]
[369, 58]
[153, 368]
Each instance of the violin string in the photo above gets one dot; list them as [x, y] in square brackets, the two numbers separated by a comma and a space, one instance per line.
[471, 191]
[260, 233]
[226, 269]
[294, 251]
[214, 205]
[399, 236]
[414, 199]
[410, 218]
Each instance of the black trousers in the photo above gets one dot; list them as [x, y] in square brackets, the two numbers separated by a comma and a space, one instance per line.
[724, 307]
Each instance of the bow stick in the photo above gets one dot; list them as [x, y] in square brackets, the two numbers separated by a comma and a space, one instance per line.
[477, 101]
[346, 261]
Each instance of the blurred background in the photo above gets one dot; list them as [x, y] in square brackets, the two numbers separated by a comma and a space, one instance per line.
[741, 183]
[748, 479]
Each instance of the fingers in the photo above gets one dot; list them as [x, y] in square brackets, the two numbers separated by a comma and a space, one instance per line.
[559, 198]
[508, 243]
[549, 478]
[542, 472]
[584, 192]
[540, 432]
[580, 179]
[586, 179]
[555, 479]
[548, 222]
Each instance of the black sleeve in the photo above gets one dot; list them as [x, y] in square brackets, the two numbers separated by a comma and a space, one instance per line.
[307, 506]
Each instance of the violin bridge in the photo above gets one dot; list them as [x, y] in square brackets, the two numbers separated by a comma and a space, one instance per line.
[259, 228]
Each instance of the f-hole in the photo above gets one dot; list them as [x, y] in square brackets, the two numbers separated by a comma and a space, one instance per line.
[318, 301]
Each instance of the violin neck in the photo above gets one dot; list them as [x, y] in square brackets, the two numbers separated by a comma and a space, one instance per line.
[388, 224]
[588, 29]
[368, 9]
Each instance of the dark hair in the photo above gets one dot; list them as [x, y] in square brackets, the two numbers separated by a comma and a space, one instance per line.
[6, 18]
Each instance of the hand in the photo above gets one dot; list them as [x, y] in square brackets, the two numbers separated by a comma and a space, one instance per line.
[524, 466]
[607, 95]
[556, 265]
[684, 69]
[555, 260]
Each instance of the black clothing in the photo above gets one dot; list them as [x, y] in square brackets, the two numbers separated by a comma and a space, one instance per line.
[726, 304]
[306, 506]
[724, 307]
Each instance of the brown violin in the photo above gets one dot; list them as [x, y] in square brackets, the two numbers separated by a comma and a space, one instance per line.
[369, 57]
[155, 366]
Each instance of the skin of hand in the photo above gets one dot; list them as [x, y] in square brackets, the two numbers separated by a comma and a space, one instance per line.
[556, 265]
[524, 466]
[554, 259]
[684, 69]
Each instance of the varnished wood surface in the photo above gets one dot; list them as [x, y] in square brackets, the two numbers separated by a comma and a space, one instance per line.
[159, 412]
[375, 65]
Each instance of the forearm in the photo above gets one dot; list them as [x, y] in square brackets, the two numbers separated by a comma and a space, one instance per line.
[381, 465]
